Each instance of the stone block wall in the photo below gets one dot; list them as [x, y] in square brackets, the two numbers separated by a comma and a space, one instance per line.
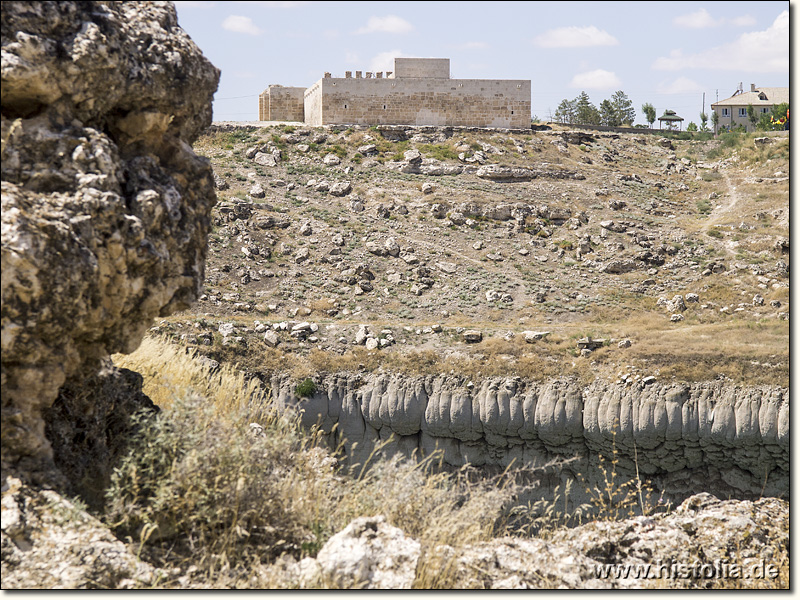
[435, 68]
[419, 101]
[279, 103]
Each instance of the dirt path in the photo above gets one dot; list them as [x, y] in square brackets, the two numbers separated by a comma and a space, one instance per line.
[722, 211]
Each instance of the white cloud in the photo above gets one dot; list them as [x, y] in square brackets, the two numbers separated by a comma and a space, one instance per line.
[575, 37]
[700, 19]
[758, 51]
[239, 24]
[743, 21]
[682, 85]
[385, 60]
[599, 79]
[387, 24]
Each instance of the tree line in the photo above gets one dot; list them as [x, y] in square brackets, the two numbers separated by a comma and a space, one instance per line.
[618, 111]
[612, 112]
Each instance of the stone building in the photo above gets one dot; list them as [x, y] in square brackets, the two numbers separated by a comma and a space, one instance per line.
[418, 92]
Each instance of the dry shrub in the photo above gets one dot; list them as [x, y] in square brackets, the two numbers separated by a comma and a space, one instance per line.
[200, 488]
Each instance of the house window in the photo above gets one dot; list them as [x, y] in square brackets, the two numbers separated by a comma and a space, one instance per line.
[726, 112]
[742, 112]
[764, 111]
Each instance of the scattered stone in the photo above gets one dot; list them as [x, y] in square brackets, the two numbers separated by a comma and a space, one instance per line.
[472, 336]
[362, 334]
[302, 255]
[447, 267]
[341, 188]
[533, 336]
[367, 150]
[391, 247]
[271, 339]
[257, 191]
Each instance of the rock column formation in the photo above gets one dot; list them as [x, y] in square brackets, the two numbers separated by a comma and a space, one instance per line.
[685, 438]
[105, 207]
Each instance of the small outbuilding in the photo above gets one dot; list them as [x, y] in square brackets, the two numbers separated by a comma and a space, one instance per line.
[671, 118]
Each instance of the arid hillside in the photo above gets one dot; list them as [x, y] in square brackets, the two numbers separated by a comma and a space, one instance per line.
[428, 250]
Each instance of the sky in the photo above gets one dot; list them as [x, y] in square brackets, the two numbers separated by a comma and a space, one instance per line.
[666, 53]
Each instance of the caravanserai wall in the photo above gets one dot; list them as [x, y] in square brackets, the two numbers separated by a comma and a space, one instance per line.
[419, 101]
[280, 103]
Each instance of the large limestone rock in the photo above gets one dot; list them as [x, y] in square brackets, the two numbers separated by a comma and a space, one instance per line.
[368, 553]
[703, 541]
[49, 542]
[105, 207]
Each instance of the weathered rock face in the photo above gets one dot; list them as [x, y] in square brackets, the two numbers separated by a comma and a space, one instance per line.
[685, 439]
[50, 543]
[705, 541]
[105, 208]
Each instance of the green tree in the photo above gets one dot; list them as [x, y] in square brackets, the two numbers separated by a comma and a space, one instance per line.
[608, 115]
[715, 121]
[624, 108]
[566, 112]
[703, 121]
[586, 112]
[752, 116]
[692, 126]
[649, 113]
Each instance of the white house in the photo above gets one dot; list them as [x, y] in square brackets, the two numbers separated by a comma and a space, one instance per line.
[733, 111]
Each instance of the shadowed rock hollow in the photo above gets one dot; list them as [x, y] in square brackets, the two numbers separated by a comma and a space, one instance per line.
[105, 205]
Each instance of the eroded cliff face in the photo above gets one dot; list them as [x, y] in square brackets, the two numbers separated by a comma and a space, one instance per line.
[714, 437]
[105, 207]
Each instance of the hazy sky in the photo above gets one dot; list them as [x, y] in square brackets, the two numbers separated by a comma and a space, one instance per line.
[665, 53]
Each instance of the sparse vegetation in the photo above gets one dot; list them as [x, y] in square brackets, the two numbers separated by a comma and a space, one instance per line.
[686, 223]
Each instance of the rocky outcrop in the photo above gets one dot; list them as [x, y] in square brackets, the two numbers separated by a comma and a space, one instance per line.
[49, 542]
[692, 546]
[105, 207]
[683, 438]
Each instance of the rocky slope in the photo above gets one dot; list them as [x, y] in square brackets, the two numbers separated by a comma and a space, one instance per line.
[645, 552]
[501, 295]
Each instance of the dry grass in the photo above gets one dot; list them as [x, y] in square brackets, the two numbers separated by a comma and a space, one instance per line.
[200, 489]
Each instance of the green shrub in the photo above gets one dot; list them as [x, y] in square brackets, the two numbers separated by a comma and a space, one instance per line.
[704, 207]
[306, 388]
[439, 151]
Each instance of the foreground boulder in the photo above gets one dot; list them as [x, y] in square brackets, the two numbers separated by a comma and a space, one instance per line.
[105, 207]
[704, 542]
